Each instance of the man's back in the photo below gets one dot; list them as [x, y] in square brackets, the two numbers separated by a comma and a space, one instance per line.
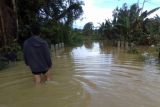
[36, 54]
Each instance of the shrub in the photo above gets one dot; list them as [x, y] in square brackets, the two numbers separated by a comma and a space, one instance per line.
[3, 63]
[132, 50]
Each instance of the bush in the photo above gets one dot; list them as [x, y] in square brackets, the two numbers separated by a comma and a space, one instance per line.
[75, 39]
[3, 63]
[158, 50]
[132, 51]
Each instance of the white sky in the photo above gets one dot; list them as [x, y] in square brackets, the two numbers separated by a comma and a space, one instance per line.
[97, 11]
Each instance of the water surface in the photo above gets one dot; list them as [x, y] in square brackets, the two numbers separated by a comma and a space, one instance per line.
[93, 75]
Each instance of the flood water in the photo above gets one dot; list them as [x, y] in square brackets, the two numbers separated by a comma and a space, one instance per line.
[93, 75]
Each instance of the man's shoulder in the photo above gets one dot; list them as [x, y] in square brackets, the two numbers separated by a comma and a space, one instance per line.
[43, 40]
[26, 41]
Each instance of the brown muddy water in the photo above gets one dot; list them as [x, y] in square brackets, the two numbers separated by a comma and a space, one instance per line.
[93, 75]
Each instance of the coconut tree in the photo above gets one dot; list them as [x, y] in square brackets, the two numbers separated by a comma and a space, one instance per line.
[122, 21]
[130, 21]
[152, 28]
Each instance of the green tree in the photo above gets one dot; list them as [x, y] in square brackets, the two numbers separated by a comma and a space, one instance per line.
[88, 29]
[55, 14]
[65, 11]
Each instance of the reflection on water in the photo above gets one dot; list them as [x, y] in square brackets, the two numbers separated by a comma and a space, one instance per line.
[93, 75]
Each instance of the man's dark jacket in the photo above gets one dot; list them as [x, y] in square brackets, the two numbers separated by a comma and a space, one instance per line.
[37, 54]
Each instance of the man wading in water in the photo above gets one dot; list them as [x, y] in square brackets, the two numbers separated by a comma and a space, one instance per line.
[37, 56]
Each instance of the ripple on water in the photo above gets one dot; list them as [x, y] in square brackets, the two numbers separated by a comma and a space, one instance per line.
[85, 77]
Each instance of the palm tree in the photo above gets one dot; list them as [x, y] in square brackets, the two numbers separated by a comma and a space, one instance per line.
[131, 21]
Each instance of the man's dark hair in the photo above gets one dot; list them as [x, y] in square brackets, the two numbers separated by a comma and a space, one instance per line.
[35, 29]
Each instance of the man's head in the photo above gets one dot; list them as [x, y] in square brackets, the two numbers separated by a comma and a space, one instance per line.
[35, 29]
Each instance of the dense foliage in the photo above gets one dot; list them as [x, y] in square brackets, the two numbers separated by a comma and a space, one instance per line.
[55, 17]
[130, 24]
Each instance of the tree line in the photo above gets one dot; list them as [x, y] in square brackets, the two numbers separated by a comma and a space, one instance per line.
[131, 24]
[55, 17]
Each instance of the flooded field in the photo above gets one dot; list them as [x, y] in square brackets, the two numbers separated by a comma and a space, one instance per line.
[93, 75]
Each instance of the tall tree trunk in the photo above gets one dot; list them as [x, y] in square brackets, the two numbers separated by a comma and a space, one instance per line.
[15, 11]
[8, 28]
[3, 30]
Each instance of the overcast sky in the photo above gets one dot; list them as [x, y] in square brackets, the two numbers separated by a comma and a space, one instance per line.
[97, 11]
